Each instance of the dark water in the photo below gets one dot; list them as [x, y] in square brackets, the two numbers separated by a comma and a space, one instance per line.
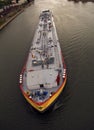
[74, 110]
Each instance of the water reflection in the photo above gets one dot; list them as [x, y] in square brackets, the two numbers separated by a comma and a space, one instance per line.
[83, 1]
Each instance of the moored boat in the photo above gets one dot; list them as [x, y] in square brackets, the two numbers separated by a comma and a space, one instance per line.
[43, 76]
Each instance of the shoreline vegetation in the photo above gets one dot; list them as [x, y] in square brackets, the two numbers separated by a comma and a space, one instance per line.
[9, 10]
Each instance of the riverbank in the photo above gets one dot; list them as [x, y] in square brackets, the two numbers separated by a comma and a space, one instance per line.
[12, 12]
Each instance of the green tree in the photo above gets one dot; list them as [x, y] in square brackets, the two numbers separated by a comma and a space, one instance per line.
[2, 3]
[8, 2]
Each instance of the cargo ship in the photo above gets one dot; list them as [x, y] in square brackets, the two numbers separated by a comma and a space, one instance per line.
[43, 76]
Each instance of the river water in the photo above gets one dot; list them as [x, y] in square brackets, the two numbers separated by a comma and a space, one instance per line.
[74, 109]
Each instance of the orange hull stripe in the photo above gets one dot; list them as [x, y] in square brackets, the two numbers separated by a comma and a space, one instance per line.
[47, 103]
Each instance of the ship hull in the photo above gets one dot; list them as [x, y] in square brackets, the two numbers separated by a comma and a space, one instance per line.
[43, 78]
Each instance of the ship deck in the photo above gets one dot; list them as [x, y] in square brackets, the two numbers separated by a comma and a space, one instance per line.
[44, 67]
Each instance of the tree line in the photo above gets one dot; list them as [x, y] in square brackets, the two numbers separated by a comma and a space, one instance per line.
[9, 2]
